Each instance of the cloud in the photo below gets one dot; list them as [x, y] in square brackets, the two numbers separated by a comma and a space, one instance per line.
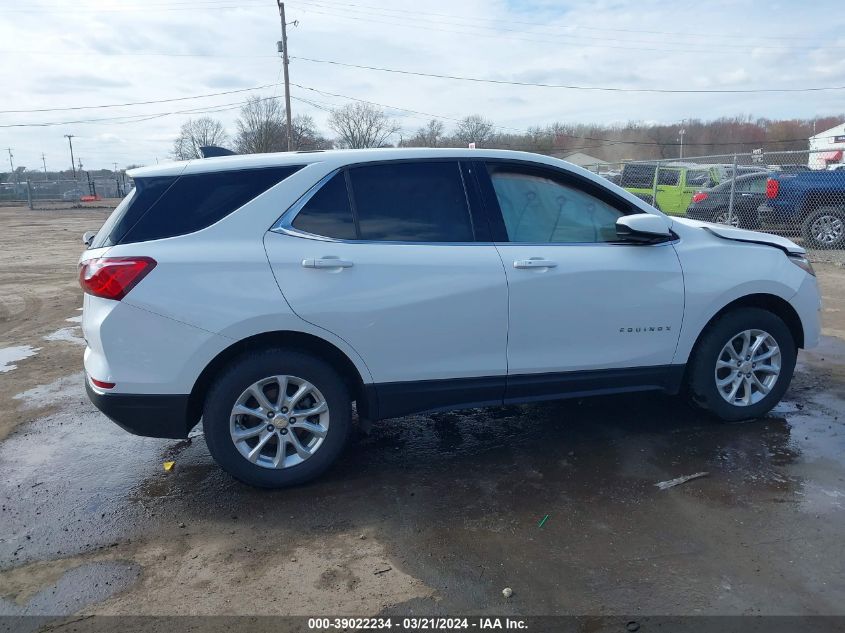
[77, 54]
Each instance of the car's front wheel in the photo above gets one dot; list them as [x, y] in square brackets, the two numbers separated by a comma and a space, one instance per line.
[743, 364]
[277, 418]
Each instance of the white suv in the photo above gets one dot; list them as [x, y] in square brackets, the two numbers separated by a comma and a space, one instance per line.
[266, 294]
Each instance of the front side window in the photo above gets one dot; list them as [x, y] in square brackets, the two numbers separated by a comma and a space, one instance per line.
[411, 202]
[538, 208]
[328, 213]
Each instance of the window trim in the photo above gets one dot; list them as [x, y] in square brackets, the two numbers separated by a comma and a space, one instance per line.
[284, 225]
[496, 217]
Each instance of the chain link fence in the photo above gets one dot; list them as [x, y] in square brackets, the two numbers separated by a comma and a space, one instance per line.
[54, 194]
[797, 194]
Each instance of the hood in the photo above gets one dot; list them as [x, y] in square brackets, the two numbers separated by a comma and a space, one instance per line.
[743, 235]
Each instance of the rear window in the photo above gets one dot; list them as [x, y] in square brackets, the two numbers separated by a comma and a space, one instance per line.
[698, 178]
[168, 206]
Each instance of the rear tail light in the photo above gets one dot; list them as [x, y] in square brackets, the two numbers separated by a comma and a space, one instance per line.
[113, 277]
[772, 188]
[102, 384]
[699, 197]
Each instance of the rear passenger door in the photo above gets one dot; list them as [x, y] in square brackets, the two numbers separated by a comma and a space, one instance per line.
[392, 258]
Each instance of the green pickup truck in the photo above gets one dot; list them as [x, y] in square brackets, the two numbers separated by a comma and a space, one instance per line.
[676, 183]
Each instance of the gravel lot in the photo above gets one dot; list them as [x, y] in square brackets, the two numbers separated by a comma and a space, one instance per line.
[426, 514]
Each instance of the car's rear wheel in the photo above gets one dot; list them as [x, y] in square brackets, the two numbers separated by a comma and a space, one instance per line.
[743, 364]
[277, 418]
[730, 219]
[825, 228]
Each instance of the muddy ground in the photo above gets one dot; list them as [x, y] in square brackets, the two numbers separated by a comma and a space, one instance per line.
[428, 514]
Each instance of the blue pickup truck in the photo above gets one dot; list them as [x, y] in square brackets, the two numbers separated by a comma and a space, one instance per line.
[811, 201]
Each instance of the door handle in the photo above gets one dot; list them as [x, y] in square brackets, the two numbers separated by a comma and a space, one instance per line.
[326, 262]
[534, 262]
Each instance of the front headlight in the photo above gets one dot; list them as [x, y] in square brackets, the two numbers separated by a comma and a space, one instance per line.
[803, 263]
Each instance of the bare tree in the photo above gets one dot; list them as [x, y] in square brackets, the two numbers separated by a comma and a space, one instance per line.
[474, 129]
[196, 133]
[305, 136]
[361, 125]
[430, 135]
[261, 126]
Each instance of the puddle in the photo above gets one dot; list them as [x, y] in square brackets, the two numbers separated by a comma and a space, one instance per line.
[77, 588]
[10, 355]
[67, 335]
[63, 390]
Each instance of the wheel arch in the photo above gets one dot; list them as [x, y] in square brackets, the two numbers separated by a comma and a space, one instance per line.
[769, 302]
[288, 339]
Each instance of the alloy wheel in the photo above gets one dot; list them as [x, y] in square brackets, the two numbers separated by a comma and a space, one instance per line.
[279, 421]
[730, 219]
[827, 229]
[748, 367]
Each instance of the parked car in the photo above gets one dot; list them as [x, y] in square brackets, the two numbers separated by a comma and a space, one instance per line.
[811, 201]
[265, 294]
[676, 183]
[73, 194]
[713, 205]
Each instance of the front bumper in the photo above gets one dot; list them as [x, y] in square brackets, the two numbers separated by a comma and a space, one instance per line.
[149, 415]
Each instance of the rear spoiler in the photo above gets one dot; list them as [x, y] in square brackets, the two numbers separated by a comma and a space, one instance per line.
[211, 151]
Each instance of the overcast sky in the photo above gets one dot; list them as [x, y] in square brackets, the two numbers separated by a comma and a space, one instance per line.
[63, 54]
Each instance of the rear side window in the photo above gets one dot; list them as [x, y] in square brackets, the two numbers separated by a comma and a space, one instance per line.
[637, 176]
[411, 202]
[168, 206]
[328, 212]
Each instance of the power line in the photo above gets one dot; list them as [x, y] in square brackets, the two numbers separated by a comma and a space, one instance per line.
[499, 28]
[134, 103]
[530, 132]
[563, 86]
[532, 38]
[706, 34]
[139, 118]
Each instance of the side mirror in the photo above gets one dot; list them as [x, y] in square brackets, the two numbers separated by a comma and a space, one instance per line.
[643, 227]
[88, 238]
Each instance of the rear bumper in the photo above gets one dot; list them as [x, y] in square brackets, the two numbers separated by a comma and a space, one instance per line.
[150, 415]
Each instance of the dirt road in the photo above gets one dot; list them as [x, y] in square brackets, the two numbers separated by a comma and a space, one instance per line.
[427, 514]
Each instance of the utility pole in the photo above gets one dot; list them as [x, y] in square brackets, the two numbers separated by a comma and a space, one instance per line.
[12, 162]
[44, 162]
[70, 142]
[681, 133]
[283, 49]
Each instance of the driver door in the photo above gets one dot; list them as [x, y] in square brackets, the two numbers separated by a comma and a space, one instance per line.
[578, 298]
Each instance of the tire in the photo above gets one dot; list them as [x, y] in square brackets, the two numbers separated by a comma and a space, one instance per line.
[324, 433]
[825, 228]
[740, 220]
[712, 347]
[721, 217]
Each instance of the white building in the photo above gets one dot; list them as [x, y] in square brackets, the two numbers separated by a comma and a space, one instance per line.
[826, 148]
